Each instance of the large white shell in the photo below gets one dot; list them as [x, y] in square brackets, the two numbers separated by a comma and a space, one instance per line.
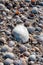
[21, 34]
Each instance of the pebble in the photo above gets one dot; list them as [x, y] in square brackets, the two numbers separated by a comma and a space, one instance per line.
[8, 61]
[17, 62]
[41, 3]
[20, 32]
[31, 29]
[1, 63]
[21, 10]
[1, 21]
[2, 41]
[6, 48]
[32, 57]
[19, 21]
[8, 55]
[26, 53]
[11, 43]
[38, 29]
[27, 0]
[34, 10]
[41, 59]
[22, 48]
[40, 37]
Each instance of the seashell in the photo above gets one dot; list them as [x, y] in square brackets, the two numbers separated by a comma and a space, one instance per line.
[20, 33]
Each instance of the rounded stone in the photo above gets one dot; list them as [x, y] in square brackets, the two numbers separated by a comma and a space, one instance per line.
[38, 29]
[18, 62]
[41, 37]
[8, 55]
[27, 0]
[22, 48]
[8, 61]
[6, 48]
[41, 59]
[34, 10]
[1, 63]
[32, 57]
[41, 3]
[26, 53]
[31, 29]
[20, 33]
[11, 43]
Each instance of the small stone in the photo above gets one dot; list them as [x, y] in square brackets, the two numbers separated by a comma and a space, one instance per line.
[2, 6]
[20, 33]
[8, 55]
[26, 53]
[7, 32]
[38, 29]
[19, 21]
[1, 63]
[21, 10]
[41, 3]
[8, 61]
[41, 17]
[32, 57]
[34, 10]
[40, 37]
[18, 62]
[11, 43]
[6, 48]
[31, 16]
[31, 29]
[24, 18]
[41, 59]
[41, 21]
[28, 0]
[26, 9]
[1, 21]
[22, 48]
